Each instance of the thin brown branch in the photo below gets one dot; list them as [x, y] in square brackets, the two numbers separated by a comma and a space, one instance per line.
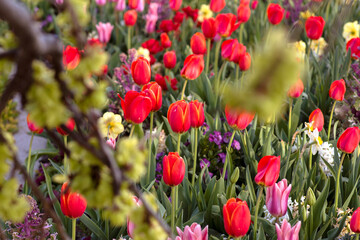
[10, 54]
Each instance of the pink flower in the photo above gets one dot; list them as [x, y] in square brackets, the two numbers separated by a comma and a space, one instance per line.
[100, 2]
[277, 198]
[193, 232]
[59, 2]
[104, 31]
[120, 5]
[151, 17]
[286, 232]
[131, 225]
[111, 142]
[140, 6]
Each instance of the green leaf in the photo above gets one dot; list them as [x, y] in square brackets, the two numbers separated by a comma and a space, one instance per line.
[93, 227]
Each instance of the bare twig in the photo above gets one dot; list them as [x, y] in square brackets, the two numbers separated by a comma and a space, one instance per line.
[8, 54]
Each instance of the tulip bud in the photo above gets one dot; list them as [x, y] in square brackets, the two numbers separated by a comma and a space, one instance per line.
[238, 120]
[208, 28]
[275, 13]
[349, 140]
[296, 89]
[237, 217]
[136, 106]
[170, 59]
[73, 205]
[317, 118]
[104, 31]
[198, 43]
[32, 127]
[268, 170]
[165, 40]
[71, 57]
[70, 124]
[173, 169]
[235, 175]
[303, 213]
[217, 5]
[310, 197]
[355, 221]
[179, 116]
[130, 18]
[197, 116]
[193, 67]
[314, 27]
[254, 4]
[337, 90]
[243, 13]
[277, 197]
[175, 4]
[141, 71]
[153, 91]
[245, 62]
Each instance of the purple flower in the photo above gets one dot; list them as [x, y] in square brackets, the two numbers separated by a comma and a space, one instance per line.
[222, 157]
[227, 137]
[205, 128]
[123, 74]
[205, 163]
[235, 145]
[216, 138]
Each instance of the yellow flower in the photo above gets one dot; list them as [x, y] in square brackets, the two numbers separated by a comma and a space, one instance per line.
[143, 52]
[351, 30]
[300, 48]
[318, 46]
[204, 13]
[110, 125]
[306, 15]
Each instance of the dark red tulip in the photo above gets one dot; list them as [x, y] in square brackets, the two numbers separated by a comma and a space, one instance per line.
[70, 124]
[238, 120]
[337, 90]
[173, 169]
[197, 116]
[275, 13]
[349, 140]
[232, 50]
[237, 217]
[355, 221]
[179, 116]
[296, 89]
[152, 45]
[243, 13]
[32, 127]
[191, 13]
[136, 106]
[245, 61]
[170, 59]
[71, 57]
[193, 66]
[354, 45]
[141, 71]
[198, 43]
[226, 24]
[217, 5]
[73, 205]
[153, 91]
[314, 27]
[179, 17]
[163, 80]
[268, 171]
[165, 40]
[130, 17]
[208, 28]
[317, 118]
[168, 26]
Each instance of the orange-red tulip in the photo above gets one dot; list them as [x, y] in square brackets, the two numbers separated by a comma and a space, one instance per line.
[296, 89]
[238, 120]
[317, 118]
[198, 43]
[237, 217]
[314, 27]
[268, 171]
[226, 24]
[175, 4]
[275, 13]
[337, 90]
[179, 116]
[232, 50]
[173, 169]
[243, 13]
[165, 40]
[136, 106]
[153, 91]
[170, 59]
[71, 57]
[130, 17]
[197, 116]
[355, 221]
[73, 205]
[193, 66]
[245, 61]
[217, 5]
[208, 28]
[349, 140]
[32, 127]
[70, 124]
[141, 71]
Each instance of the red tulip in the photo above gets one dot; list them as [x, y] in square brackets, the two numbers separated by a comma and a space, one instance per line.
[197, 116]
[314, 27]
[71, 57]
[170, 59]
[245, 62]
[32, 127]
[163, 80]
[237, 217]
[244, 2]
[179, 17]
[354, 45]
[355, 221]
[208, 28]
[317, 118]
[254, 4]
[243, 13]
[275, 13]
[238, 120]
[191, 13]
[226, 24]
[168, 26]
[152, 45]
[173, 169]
[232, 50]
[193, 66]
[136, 106]
[130, 17]
[133, 4]
[217, 5]
[349, 140]
[175, 4]
[268, 171]
[70, 124]
[141, 71]
[337, 90]
[296, 89]
[165, 40]
[198, 43]
[73, 205]
[179, 116]
[153, 91]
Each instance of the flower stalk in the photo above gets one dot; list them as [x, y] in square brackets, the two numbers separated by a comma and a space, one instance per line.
[257, 210]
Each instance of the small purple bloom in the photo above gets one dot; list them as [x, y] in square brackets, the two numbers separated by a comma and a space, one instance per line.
[235, 145]
[216, 138]
[222, 157]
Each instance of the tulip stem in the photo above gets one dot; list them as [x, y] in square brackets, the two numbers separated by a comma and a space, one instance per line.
[217, 82]
[183, 90]
[290, 113]
[227, 157]
[73, 229]
[310, 160]
[132, 130]
[309, 47]
[150, 145]
[357, 236]
[178, 143]
[195, 157]
[217, 53]
[173, 197]
[338, 183]
[208, 45]
[331, 116]
[26, 187]
[66, 163]
[129, 37]
[257, 210]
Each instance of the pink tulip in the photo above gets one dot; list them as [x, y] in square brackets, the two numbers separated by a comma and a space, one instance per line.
[120, 5]
[100, 2]
[151, 17]
[193, 232]
[140, 6]
[131, 225]
[286, 232]
[104, 31]
[111, 142]
[277, 198]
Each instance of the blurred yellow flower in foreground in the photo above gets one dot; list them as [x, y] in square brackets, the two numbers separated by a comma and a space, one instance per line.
[204, 13]
[143, 52]
[351, 30]
[110, 125]
[318, 46]
[300, 48]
